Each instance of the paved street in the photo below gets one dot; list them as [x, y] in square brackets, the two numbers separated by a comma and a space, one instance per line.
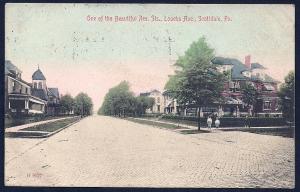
[110, 152]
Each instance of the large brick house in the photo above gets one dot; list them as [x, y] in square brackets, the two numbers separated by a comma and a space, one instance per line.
[248, 73]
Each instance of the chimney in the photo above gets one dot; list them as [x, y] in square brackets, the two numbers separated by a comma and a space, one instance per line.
[248, 61]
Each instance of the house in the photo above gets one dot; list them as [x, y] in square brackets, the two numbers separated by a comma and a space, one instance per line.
[158, 106]
[49, 95]
[248, 73]
[240, 74]
[171, 105]
[18, 93]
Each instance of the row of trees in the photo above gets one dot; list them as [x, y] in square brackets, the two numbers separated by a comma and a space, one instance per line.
[81, 105]
[120, 101]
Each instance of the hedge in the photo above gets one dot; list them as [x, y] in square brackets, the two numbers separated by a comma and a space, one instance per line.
[233, 121]
[154, 115]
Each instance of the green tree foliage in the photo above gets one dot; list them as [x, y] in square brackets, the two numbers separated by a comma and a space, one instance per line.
[196, 80]
[143, 103]
[287, 96]
[120, 101]
[67, 103]
[249, 96]
[83, 104]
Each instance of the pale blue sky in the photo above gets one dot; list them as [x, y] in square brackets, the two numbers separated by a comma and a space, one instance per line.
[76, 55]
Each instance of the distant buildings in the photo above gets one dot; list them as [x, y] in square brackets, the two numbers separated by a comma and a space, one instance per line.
[240, 75]
[159, 105]
[22, 97]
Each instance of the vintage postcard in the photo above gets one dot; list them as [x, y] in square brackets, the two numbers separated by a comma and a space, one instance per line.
[150, 95]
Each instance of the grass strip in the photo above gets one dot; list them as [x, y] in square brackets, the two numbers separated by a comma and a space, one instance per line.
[166, 125]
[51, 126]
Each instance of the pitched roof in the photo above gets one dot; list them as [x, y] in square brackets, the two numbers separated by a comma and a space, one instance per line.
[222, 61]
[9, 66]
[269, 79]
[54, 92]
[40, 93]
[257, 66]
[7, 71]
[237, 69]
[38, 75]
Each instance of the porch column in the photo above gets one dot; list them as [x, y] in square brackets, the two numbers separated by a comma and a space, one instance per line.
[8, 104]
[26, 104]
[185, 111]
[220, 112]
[237, 111]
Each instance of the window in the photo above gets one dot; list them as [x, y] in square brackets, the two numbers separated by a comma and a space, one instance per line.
[158, 108]
[158, 100]
[26, 90]
[267, 105]
[234, 86]
[14, 86]
[35, 85]
[40, 85]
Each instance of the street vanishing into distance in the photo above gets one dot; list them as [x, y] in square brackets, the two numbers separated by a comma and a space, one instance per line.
[112, 152]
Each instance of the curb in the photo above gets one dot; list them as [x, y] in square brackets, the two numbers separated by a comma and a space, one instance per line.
[49, 134]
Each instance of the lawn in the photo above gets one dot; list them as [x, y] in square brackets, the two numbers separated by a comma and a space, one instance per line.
[156, 124]
[52, 126]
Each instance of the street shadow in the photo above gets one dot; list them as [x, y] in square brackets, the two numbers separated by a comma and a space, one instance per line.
[194, 131]
[283, 132]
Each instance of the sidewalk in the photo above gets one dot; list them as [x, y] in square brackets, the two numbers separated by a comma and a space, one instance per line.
[17, 128]
[206, 128]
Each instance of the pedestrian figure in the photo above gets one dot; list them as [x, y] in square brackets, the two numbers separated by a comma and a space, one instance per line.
[209, 122]
[217, 122]
[247, 122]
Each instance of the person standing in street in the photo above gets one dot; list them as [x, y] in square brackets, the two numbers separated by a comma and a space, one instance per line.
[217, 122]
[247, 122]
[209, 122]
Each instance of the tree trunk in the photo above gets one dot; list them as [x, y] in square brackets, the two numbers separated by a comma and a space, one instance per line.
[199, 119]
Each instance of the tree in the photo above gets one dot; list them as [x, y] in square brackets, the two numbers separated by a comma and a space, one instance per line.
[249, 96]
[118, 101]
[83, 104]
[67, 103]
[287, 96]
[197, 81]
[143, 103]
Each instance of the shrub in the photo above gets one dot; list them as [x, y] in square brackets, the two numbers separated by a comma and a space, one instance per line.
[233, 121]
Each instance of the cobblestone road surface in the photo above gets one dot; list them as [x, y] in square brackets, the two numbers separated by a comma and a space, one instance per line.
[109, 152]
